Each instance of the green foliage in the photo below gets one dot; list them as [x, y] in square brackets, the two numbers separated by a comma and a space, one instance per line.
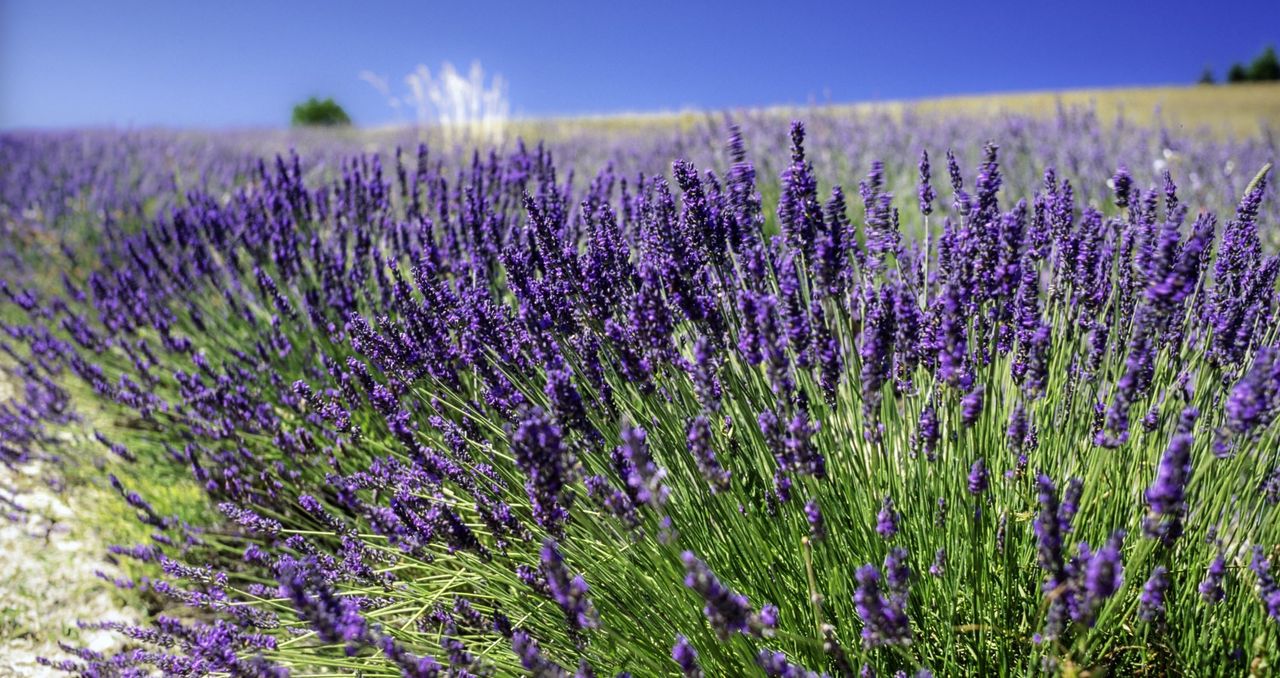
[320, 113]
[1206, 77]
[1265, 67]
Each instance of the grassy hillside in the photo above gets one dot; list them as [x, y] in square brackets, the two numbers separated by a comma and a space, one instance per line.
[1238, 110]
[1234, 109]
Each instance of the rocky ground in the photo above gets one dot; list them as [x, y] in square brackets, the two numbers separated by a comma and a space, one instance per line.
[47, 575]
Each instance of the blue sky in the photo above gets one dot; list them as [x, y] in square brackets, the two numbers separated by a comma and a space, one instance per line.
[234, 63]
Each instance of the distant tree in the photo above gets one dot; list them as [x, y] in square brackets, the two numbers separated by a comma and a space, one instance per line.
[1206, 76]
[1237, 74]
[320, 112]
[1265, 67]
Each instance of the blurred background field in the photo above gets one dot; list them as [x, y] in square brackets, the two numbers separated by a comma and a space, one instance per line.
[1242, 109]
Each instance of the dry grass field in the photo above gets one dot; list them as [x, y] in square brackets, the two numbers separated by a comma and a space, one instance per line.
[1236, 110]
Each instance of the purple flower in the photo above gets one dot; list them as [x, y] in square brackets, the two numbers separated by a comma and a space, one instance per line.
[1103, 577]
[927, 431]
[939, 565]
[799, 213]
[616, 501]
[1268, 589]
[897, 574]
[1211, 589]
[1151, 604]
[795, 311]
[1016, 433]
[566, 402]
[768, 617]
[531, 658]
[830, 360]
[801, 454]
[540, 453]
[771, 346]
[831, 267]
[1255, 399]
[926, 192]
[876, 350]
[641, 474]
[813, 514]
[705, 382]
[699, 440]
[727, 611]
[1167, 494]
[978, 477]
[1048, 529]
[335, 619]
[988, 184]
[1036, 375]
[651, 319]
[887, 520]
[1070, 503]
[246, 518]
[971, 406]
[961, 201]
[1122, 184]
[568, 590]
[881, 233]
[686, 657]
[953, 348]
[745, 216]
[1139, 367]
[884, 619]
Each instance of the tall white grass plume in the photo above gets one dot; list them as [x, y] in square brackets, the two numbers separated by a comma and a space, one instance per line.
[466, 107]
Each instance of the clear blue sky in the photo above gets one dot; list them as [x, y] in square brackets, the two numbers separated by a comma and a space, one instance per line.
[234, 63]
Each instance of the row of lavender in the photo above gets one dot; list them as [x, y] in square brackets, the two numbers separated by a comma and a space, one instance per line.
[469, 415]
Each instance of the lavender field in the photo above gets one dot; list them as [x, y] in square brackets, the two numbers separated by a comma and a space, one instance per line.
[823, 393]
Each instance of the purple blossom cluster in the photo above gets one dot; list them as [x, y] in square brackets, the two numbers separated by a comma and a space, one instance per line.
[728, 612]
[477, 365]
[882, 601]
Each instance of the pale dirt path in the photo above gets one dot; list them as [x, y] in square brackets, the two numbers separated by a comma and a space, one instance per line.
[47, 580]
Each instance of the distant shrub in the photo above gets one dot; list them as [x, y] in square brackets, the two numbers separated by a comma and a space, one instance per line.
[1206, 77]
[319, 112]
[1265, 67]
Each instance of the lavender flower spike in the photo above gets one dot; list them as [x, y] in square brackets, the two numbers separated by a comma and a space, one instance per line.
[926, 192]
[884, 621]
[887, 520]
[1211, 589]
[1167, 494]
[569, 591]
[729, 612]
[686, 657]
[978, 475]
[1151, 605]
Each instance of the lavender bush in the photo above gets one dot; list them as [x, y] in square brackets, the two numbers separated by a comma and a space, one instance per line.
[474, 414]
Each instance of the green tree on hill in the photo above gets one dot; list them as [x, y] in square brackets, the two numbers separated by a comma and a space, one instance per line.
[1265, 67]
[1206, 76]
[320, 112]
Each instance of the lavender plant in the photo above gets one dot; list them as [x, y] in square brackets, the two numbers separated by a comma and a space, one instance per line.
[481, 418]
